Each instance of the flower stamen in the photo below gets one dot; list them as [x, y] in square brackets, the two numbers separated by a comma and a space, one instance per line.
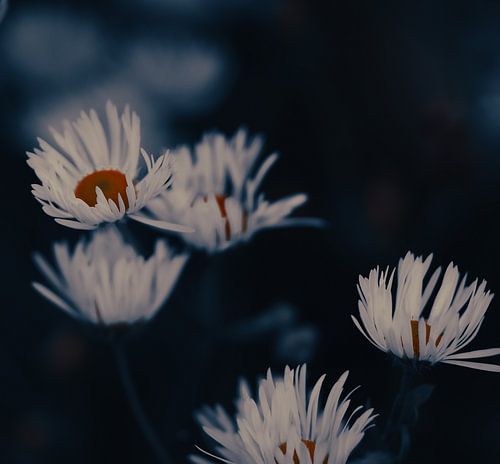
[416, 340]
[221, 203]
[113, 183]
[311, 447]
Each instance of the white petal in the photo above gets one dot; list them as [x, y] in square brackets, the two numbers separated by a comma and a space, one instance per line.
[75, 224]
[52, 297]
[164, 225]
[474, 365]
[475, 354]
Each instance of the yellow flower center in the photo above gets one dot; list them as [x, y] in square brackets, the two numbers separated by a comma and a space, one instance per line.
[311, 447]
[111, 182]
[416, 340]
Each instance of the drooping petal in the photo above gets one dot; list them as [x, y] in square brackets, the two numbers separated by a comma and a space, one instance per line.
[164, 225]
[475, 365]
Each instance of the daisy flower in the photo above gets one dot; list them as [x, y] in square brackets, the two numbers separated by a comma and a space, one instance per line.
[285, 425]
[418, 327]
[216, 192]
[93, 175]
[105, 281]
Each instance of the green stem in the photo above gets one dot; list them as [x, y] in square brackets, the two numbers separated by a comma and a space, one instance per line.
[135, 405]
[396, 417]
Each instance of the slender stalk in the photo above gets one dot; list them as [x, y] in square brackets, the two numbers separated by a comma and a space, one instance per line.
[396, 413]
[394, 428]
[135, 405]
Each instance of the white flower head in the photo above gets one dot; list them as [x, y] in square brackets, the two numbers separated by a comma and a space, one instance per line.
[418, 327]
[94, 175]
[105, 281]
[216, 192]
[285, 425]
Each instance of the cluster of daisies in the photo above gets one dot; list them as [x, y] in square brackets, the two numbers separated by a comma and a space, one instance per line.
[97, 176]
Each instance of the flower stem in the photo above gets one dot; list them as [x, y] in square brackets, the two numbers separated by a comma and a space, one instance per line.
[135, 404]
[395, 423]
[396, 410]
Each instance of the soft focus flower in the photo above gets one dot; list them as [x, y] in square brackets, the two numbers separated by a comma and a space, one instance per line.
[411, 331]
[292, 341]
[3, 9]
[93, 177]
[213, 11]
[47, 110]
[185, 75]
[215, 191]
[106, 282]
[37, 40]
[296, 344]
[284, 425]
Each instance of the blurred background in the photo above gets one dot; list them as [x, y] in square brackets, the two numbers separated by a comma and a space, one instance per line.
[386, 113]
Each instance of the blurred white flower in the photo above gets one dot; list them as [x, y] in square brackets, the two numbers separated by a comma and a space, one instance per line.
[453, 321]
[3, 9]
[215, 10]
[93, 176]
[292, 341]
[51, 108]
[296, 344]
[285, 425]
[189, 76]
[105, 281]
[51, 45]
[216, 192]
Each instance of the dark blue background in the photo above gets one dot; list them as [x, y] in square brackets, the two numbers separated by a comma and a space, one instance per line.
[387, 113]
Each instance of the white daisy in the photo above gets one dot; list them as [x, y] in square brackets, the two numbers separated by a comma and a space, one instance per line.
[215, 191]
[410, 330]
[93, 176]
[284, 425]
[105, 281]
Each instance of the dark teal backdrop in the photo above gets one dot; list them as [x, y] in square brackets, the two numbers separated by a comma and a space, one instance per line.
[386, 113]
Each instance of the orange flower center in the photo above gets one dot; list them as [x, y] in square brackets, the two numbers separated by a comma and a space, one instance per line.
[311, 447]
[221, 203]
[111, 182]
[416, 340]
